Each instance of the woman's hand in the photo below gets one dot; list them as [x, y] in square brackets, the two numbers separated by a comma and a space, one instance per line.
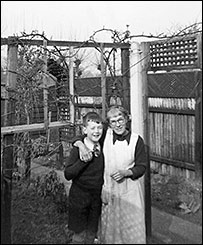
[119, 175]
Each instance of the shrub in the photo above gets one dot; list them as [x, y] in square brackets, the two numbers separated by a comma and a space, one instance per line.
[50, 186]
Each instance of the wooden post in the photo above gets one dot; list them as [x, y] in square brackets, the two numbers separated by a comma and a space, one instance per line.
[199, 50]
[103, 82]
[71, 86]
[125, 70]
[28, 157]
[45, 88]
[6, 188]
[48, 131]
[61, 155]
[198, 127]
[139, 112]
[198, 113]
[144, 68]
[8, 148]
[11, 83]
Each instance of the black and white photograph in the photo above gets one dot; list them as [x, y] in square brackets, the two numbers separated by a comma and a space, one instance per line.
[101, 122]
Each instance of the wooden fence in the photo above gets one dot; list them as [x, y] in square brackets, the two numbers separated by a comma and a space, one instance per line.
[172, 135]
[172, 122]
[175, 106]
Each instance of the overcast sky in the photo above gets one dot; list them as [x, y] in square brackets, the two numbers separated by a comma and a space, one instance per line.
[78, 20]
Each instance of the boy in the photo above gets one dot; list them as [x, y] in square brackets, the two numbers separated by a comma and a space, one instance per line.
[87, 180]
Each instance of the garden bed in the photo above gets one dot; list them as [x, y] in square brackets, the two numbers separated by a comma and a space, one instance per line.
[177, 196]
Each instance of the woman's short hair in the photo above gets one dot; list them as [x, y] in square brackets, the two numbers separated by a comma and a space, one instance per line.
[117, 110]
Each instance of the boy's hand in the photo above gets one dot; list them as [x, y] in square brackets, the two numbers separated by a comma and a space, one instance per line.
[85, 153]
[119, 175]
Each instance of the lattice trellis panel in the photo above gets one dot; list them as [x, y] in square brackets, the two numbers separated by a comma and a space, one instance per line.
[181, 53]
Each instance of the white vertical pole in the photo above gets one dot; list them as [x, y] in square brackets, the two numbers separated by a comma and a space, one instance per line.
[138, 94]
[136, 104]
[103, 83]
[71, 86]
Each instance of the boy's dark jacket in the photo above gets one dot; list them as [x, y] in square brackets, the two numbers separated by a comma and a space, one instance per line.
[86, 175]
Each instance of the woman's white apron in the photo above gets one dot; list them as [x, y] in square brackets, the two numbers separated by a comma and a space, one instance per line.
[123, 213]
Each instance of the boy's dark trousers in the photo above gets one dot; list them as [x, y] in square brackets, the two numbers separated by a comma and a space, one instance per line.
[84, 214]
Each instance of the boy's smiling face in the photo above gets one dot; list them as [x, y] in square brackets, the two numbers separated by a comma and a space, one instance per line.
[93, 130]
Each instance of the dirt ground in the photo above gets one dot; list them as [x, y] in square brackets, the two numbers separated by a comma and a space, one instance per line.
[38, 219]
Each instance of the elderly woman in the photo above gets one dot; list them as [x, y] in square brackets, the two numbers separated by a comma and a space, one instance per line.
[123, 213]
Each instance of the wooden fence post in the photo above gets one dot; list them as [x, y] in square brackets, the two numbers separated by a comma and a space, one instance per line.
[71, 86]
[144, 81]
[103, 82]
[198, 127]
[8, 147]
[125, 70]
[198, 113]
[45, 87]
[6, 188]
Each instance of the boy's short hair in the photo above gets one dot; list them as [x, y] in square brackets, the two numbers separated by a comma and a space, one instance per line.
[92, 116]
[117, 110]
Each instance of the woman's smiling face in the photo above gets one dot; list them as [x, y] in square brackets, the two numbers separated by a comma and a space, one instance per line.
[118, 123]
